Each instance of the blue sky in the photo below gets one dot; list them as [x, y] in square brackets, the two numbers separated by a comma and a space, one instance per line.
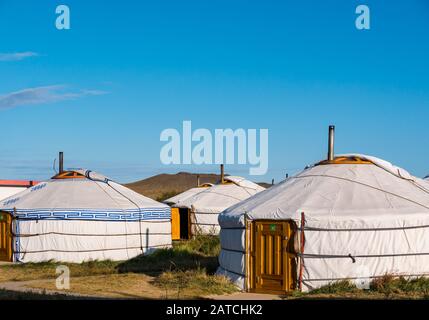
[103, 91]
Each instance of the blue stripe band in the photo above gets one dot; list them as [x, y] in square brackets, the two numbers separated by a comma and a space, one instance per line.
[97, 215]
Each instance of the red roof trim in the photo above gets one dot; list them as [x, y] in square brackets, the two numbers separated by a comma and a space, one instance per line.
[18, 183]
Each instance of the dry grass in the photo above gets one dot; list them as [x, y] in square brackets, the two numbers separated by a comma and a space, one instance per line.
[119, 286]
[184, 271]
[168, 285]
[385, 287]
[45, 270]
[192, 284]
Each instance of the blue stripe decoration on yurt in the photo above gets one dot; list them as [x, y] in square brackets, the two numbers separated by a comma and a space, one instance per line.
[95, 215]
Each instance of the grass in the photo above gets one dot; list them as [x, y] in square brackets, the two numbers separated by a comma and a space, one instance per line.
[193, 284]
[109, 286]
[207, 245]
[342, 287]
[200, 252]
[385, 287]
[389, 285]
[184, 271]
[45, 270]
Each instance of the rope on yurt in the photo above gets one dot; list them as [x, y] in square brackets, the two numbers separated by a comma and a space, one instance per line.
[91, 250]
[225, 195]
[349, 256]
[365, 229]
[24, 235]
[106, 181]
[420, 187]
[140, 214]
[406, 275]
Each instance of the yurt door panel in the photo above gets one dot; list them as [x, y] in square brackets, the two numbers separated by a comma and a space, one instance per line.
[175, 224]
[5, 237]
[271, 261]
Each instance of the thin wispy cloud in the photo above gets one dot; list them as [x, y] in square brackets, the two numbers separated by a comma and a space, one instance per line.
[17, 56]
[43, 95]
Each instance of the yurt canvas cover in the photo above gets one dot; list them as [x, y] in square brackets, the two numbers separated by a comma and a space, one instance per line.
[205, 206]
[355, 218]
[79, 216]
[177, 200]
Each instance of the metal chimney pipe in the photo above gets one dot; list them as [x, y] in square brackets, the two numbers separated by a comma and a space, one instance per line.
[331, 143]
[198, 180]
[222, 174]
[61, 162]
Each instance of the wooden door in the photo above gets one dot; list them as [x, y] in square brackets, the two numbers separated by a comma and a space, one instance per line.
[5, 237]
[175, 224]
[272, 264]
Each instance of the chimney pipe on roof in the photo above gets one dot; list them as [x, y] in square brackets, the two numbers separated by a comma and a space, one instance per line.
[198, 180]
[61, 162]
[222, 174]
[331, 143]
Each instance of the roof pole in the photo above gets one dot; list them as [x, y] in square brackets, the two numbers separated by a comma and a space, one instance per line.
[331, 143]
[61, 162]
[222, 174]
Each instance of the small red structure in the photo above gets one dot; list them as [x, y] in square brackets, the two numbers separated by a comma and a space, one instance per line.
[18, 183]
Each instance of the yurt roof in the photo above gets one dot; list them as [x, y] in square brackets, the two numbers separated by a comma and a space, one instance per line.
[353, 186]
[81, 192]
[223, 195]
[179, 198]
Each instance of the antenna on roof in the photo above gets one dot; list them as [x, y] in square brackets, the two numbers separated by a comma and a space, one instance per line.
[61, 162]
[222, 174]
[331, 143]
[53, 166]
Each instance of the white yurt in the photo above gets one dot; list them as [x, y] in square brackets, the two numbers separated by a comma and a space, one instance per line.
[177, 200]
[203, 208]
[354, 217]
[80, 215]
[179, 214]
[11, 187]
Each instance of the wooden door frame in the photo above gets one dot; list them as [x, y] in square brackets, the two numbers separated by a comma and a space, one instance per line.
[250, 247]
[190, 233]
[9, 253]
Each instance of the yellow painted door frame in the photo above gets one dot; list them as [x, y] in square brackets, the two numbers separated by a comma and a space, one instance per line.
[6, 237]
